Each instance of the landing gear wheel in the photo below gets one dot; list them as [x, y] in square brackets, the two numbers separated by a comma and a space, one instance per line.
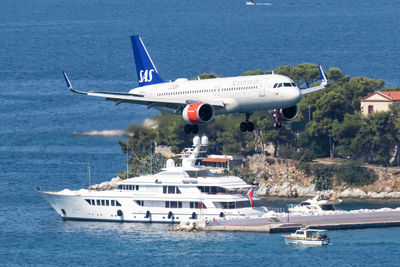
[191, 129]
[195, 129]
[243, 127]
[277, 125]
[250, 126]
[187, 128]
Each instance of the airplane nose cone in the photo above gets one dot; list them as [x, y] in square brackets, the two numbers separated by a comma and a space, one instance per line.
[296, 94]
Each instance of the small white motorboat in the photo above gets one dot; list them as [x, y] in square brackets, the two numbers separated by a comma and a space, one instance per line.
[306, 236]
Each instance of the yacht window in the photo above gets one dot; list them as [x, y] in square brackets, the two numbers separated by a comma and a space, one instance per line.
[120, 187]
[300, 232]
[112, 202]
[98, 202]
[243, 204]
[174, 204]
[200, 173]
[137, 188]
[287, 84]
[93, 202]
[304, 204]
[171, 189]
[140, 202]
[117, 203]
[164, 189]
[167, 204]
[88, 201]
[102, 202]
[327, 207]
[107, 202]
[180, 204]
[194, 205]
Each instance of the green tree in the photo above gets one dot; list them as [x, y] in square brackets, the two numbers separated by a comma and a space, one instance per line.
[276, 136]
[323, 177]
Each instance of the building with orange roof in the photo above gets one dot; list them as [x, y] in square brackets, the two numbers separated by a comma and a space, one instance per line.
[379, 101]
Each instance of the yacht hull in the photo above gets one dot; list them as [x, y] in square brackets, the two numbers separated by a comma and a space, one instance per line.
[77, 207]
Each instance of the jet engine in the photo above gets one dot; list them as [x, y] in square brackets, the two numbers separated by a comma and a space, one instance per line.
[284, 114]
[198, 113]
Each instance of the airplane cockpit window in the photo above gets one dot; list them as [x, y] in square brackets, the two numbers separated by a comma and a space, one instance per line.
[293, 84]
[275, 85]
[280, 85]
[287, 84]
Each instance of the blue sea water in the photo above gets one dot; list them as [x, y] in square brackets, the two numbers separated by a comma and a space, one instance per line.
[90, 40]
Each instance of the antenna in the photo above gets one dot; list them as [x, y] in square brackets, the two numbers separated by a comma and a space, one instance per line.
[89, 174]
[127, 164]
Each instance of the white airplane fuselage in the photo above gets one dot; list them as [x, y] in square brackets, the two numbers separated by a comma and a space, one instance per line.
[241, 94]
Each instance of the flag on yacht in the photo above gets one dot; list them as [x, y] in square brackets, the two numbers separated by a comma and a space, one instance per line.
[250, 194]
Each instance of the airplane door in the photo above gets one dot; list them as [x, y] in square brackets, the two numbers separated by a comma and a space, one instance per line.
[261, 88]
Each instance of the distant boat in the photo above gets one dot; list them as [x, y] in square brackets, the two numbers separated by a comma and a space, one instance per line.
[250, 3]
[318, 204]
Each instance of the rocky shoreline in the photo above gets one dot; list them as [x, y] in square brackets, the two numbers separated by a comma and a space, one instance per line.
[282, 178]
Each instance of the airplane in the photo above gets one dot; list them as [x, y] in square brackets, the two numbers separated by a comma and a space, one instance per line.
[198, 101]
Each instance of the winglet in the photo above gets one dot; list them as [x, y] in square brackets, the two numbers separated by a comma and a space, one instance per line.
[321, 72]
[324, 82]
[69, 85]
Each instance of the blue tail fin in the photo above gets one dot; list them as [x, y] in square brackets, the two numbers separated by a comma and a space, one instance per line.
[146, 71]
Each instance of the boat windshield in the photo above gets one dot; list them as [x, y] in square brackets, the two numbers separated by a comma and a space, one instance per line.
[200, 173]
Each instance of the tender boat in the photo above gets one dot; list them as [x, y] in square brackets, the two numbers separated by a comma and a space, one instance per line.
[318, 204]
[306, 236]
[176, 194]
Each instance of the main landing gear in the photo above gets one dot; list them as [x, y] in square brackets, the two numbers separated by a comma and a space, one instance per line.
[247, 125]
[191, 128]
[277, 125]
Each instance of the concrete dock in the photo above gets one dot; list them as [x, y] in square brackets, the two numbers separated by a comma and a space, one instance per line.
[291, 223]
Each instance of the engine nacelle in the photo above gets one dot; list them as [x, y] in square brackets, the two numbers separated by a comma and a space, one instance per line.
[198, 113]
[284, 114]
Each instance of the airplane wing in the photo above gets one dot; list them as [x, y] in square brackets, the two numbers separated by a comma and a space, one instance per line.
[324, 82]
[121, 97]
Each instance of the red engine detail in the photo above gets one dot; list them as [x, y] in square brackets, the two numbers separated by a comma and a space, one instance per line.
[198, 113]
[285, 114]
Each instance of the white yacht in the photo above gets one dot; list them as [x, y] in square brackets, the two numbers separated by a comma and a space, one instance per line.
[175, 194]
[318, 204]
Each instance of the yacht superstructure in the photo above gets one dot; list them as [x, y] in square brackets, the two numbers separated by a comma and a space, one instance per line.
[175, 194]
